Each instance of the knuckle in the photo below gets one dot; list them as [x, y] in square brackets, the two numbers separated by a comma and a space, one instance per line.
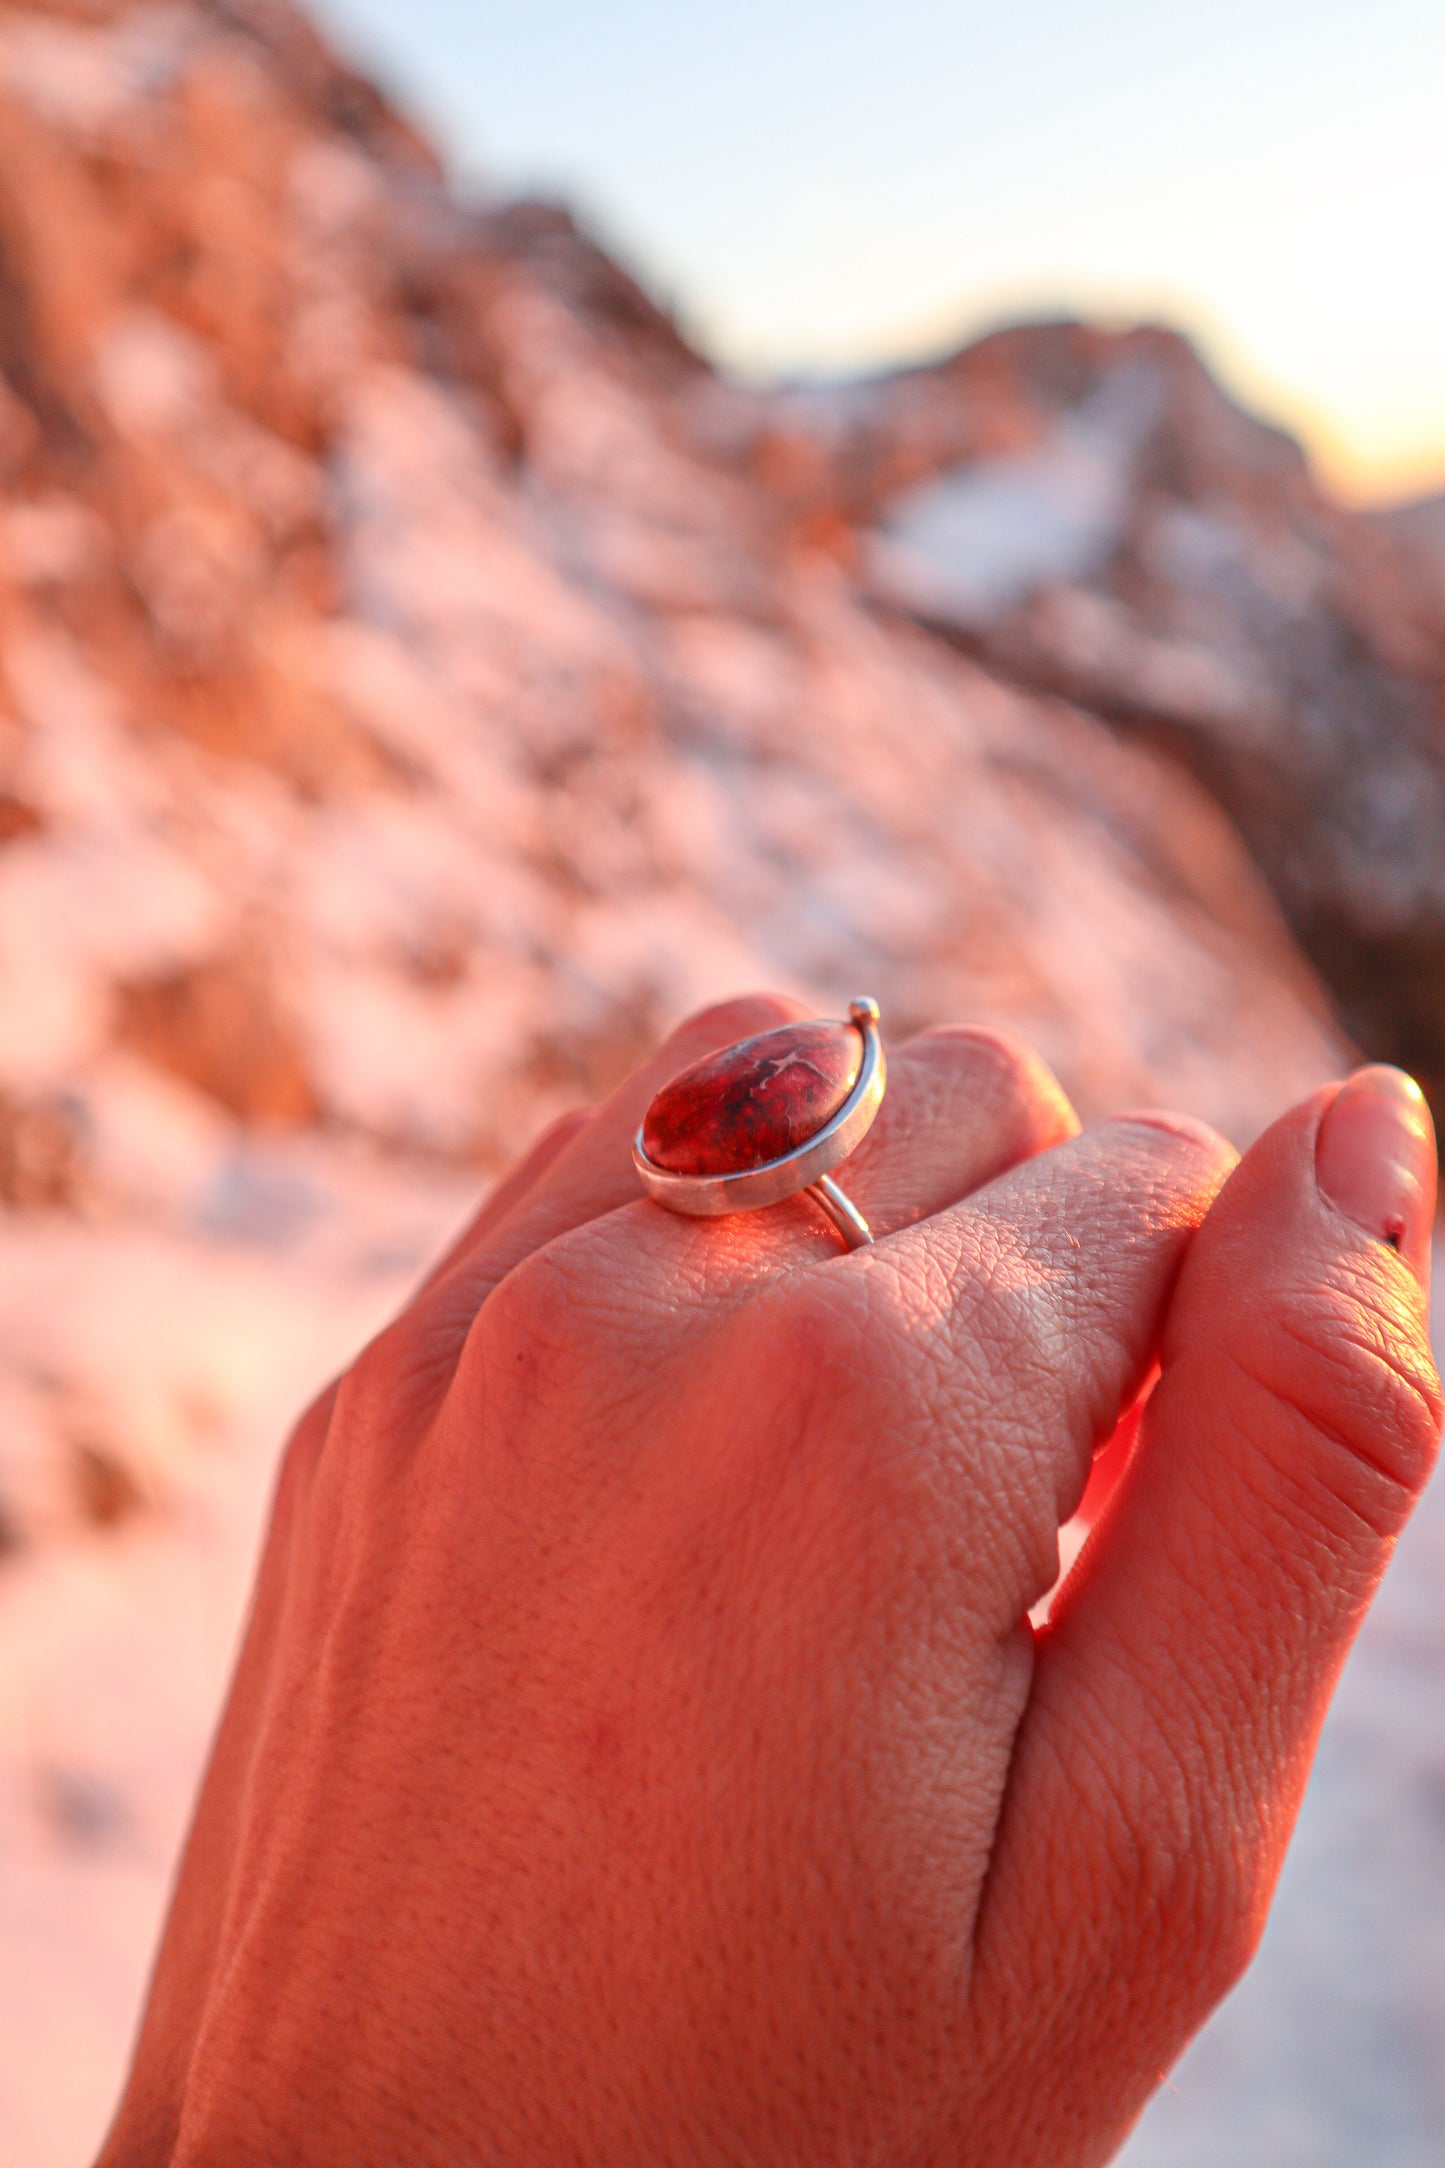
[1014, 1310]
[825, 1362]
[1352, 1362]
[1235, 1930]
[301, 1455]
[982, 1333]
[1222, 1904]
[1014, 1085]
[1204, 1912]
[365, 1428]
[550, 1337]
[832, 1432]
[376, 1391]
[805, 1342]
[533, 1310]
[1193, 1886]
[1205, 1892]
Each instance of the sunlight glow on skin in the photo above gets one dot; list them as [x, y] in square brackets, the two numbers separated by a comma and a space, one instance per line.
[816, 188]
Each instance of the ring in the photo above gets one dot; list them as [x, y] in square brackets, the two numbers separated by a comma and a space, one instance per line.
[767, 1118]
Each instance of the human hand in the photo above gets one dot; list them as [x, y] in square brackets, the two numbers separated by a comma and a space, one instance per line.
[639, 1752]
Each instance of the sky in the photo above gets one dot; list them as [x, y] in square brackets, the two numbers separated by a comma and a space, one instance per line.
[820, 187]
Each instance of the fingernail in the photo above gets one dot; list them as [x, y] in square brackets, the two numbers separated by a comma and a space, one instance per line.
[1375, 1160]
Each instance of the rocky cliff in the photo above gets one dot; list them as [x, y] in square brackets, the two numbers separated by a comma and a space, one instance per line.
[421, 678]
[1089, 514]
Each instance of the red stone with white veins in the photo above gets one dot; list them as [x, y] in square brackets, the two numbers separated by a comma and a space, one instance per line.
[754, 1101]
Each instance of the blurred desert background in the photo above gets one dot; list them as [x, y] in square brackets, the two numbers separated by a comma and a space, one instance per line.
[426, 670]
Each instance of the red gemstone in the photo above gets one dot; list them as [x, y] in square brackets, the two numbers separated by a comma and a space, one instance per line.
[754, 1101]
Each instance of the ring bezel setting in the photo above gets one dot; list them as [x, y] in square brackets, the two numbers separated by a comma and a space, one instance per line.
[806, 1167]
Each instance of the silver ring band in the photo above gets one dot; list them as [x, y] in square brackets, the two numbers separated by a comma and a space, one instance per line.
[842, 1211]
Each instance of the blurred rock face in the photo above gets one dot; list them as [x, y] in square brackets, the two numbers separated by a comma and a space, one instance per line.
[409, 708]
[1089, 514]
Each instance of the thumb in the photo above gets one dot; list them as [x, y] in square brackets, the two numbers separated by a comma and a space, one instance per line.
[1180, 1688]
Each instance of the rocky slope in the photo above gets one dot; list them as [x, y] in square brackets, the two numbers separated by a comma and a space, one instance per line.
[1090, 514]
[420, 679]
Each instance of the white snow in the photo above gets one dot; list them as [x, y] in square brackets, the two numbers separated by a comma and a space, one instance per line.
[980, 539]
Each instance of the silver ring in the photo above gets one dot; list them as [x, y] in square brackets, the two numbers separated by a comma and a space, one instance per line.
[804, 1168]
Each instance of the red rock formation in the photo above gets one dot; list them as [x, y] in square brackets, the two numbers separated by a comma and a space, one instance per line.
[1090, 514]
[379, 621]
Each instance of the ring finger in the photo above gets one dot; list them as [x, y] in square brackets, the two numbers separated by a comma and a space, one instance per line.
[963, 1105]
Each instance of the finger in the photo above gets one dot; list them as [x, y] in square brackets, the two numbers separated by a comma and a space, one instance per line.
[1032, 1313]
[963, 1105]
[592, 1173]
[1182, 1683]
[512, 1189]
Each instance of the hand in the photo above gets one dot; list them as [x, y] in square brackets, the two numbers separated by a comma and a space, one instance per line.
[639, 1752]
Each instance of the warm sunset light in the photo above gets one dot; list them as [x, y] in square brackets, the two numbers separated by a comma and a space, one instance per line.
[722, 775]
[818, 188]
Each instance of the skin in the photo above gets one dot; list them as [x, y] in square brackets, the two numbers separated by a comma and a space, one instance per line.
[639, 1752]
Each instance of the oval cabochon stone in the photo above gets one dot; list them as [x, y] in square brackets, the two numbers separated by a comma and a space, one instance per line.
[754, 1101]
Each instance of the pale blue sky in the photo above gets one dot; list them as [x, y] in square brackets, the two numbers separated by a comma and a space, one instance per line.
[825, 186]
